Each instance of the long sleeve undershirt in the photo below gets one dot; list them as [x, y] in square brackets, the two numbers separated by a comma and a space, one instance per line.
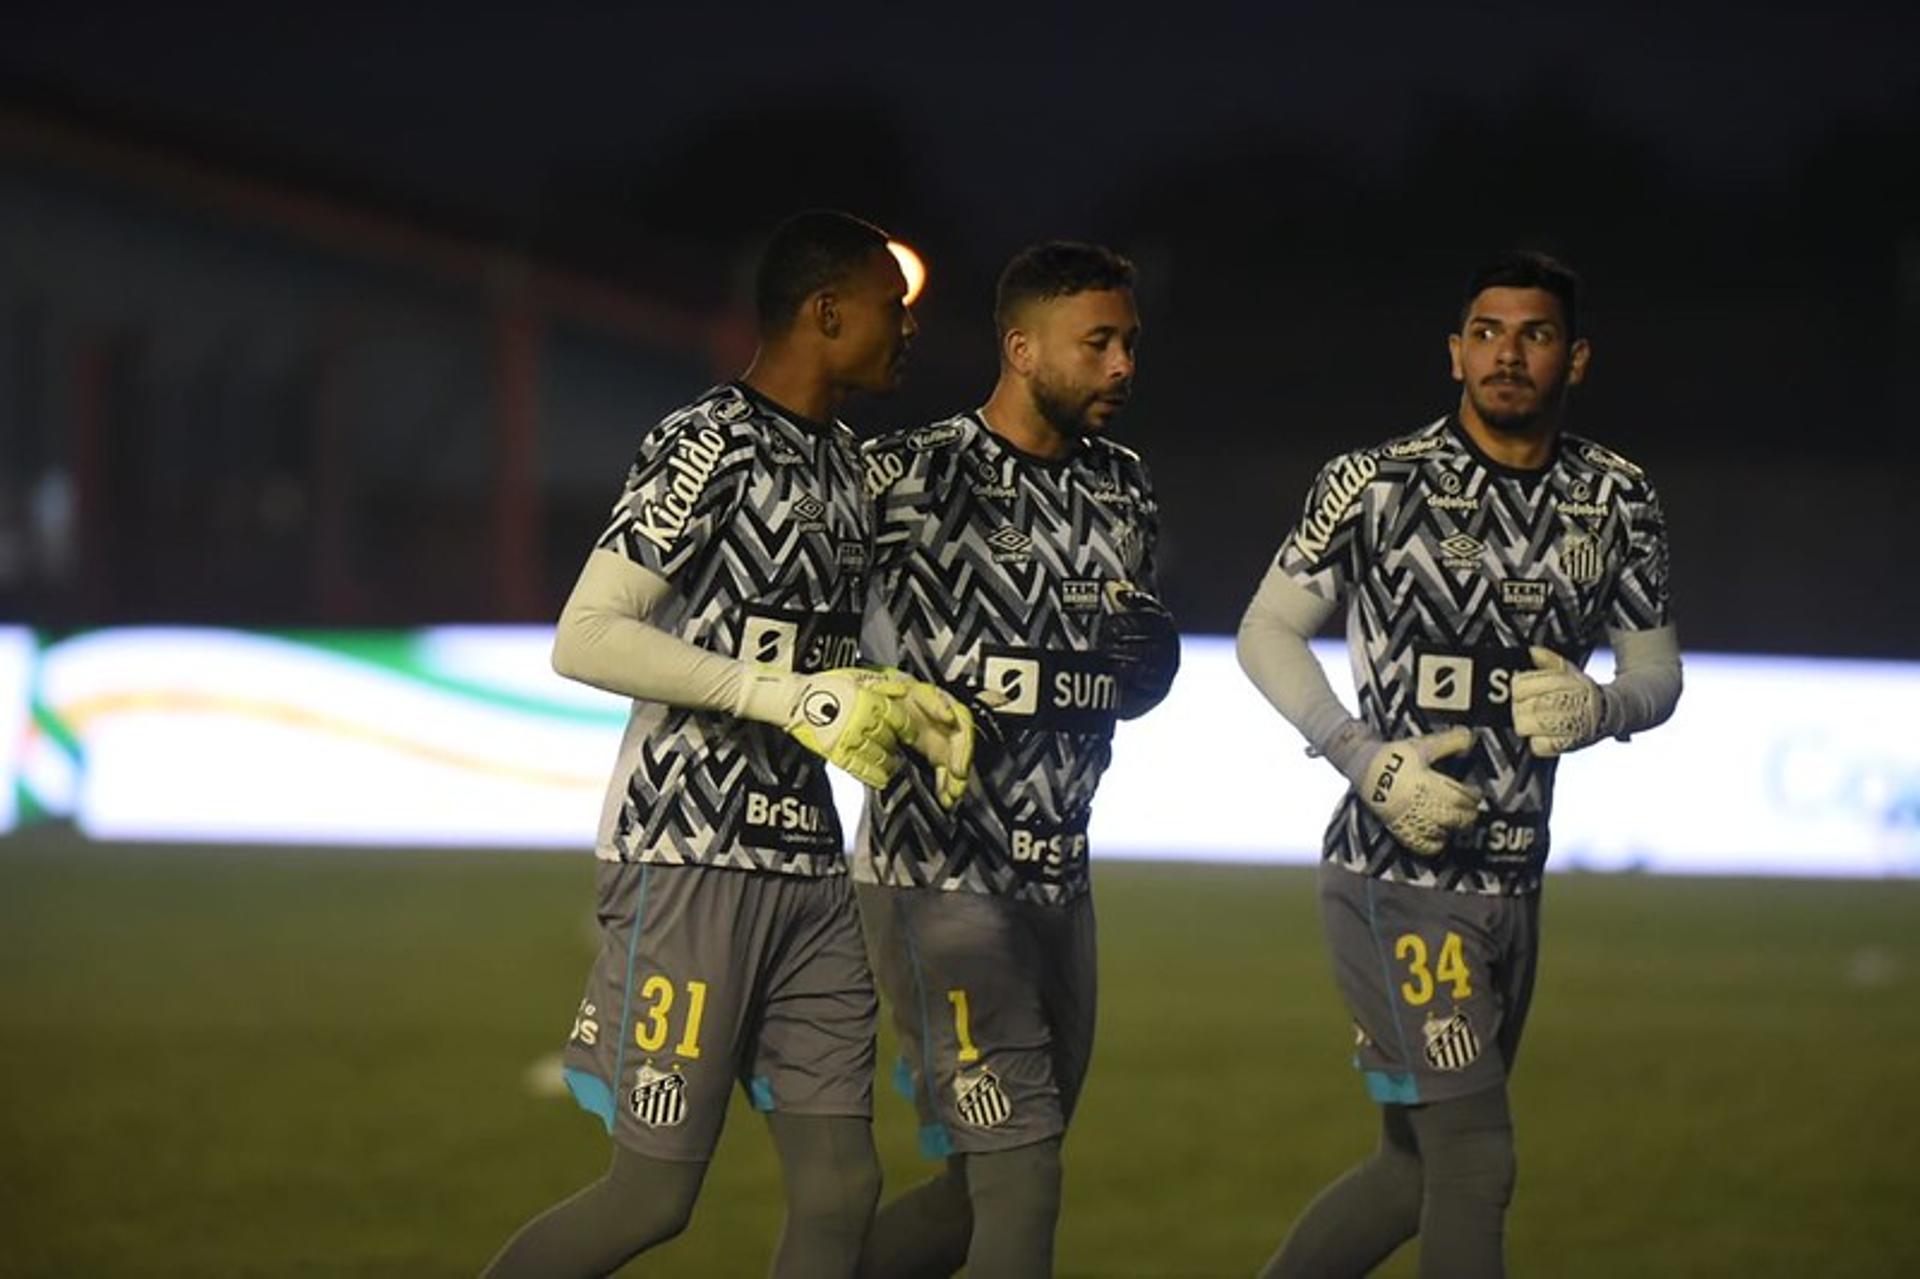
[605, 639]
[1272, 648]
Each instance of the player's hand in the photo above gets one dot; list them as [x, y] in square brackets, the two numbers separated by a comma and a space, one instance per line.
[1556, 706]
[1420, 807]
[1139, 636]
[854, 718]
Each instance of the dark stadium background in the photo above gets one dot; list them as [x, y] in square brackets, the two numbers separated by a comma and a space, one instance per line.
[329, 316]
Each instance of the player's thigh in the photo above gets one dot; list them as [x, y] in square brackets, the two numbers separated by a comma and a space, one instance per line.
[655, 1047]
[1069, 989]
[1519, 966]
[810, 1048]
[964, 971]
[1420, 972]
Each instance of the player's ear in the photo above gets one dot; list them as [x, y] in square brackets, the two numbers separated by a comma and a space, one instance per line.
[1453, 355]
[823, 310]
[1577, 361]
[1016, 349]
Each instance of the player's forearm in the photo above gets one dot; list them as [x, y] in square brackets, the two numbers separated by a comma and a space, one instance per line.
[1646, 685]
[1272, 647]
[604, 639]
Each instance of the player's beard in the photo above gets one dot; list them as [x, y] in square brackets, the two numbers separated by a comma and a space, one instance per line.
[1524, 423]
[1066, 408]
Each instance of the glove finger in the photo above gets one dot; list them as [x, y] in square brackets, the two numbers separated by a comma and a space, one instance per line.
[933, 703]
[1531, 685]
[1442, 745]
[951, 787]
[1459, 814]
[1546, 747]
[866, 771]
[1527, 685]
[960, 742]
[1546, 659]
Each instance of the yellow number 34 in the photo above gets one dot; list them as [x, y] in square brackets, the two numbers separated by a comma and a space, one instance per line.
[1411, 948]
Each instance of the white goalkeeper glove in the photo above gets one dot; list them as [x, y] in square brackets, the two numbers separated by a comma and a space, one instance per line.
[1556, 706]
[942, 733]
[851, 717]
[1420, 807]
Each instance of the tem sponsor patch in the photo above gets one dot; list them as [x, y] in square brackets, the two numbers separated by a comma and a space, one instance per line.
[1080, 595]
[1523, 596]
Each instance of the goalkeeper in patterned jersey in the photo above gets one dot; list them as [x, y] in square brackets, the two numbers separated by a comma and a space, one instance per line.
[1479, 560]
[725, 599]
[1014, 565]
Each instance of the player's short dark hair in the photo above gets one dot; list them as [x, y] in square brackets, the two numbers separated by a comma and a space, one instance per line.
[1056, 269]
[1528, 269]
[806, 253]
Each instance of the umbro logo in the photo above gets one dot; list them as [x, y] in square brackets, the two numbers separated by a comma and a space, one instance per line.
[809, 512]
[1010, 544]
[1460, 552]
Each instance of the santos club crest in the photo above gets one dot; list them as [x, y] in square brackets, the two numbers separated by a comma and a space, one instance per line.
[659, 1098]
[980, 1099]
[1451, 1043]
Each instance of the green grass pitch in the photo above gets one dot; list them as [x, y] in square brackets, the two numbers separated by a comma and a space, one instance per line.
[274, 1062]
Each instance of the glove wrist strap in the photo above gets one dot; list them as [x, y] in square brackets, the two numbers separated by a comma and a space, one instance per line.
[768, 695]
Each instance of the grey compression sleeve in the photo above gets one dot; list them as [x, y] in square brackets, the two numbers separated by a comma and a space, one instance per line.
[1273, 652]
[605, 639]
[1646, 680]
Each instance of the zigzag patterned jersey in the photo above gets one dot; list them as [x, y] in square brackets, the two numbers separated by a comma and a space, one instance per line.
[1451, 565]
[990, 571]
[758, 519]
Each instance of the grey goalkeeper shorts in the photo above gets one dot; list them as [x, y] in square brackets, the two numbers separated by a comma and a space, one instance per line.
[707, 976]
[1438, 983]
[993, 1004]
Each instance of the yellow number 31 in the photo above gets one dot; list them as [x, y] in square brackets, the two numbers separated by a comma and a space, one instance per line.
[1412, 948]
[651, 1032]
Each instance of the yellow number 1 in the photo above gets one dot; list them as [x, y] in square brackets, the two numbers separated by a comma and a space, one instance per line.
[962, 1026]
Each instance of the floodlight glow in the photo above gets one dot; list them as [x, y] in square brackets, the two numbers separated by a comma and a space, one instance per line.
[910, 266]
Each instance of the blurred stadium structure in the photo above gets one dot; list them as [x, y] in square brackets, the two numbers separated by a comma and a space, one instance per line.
[226, 398]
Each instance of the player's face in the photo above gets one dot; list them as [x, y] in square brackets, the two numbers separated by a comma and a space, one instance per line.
[875, 325]
[1515, 359]
[1081, 351]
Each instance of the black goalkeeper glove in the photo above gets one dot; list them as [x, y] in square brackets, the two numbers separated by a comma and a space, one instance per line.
[1139, 637]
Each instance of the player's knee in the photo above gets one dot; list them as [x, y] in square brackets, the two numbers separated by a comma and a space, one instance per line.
[655, 1197]
[1467, 1151]
[837, 1195]
[1024, 1180]
[1479, 1166]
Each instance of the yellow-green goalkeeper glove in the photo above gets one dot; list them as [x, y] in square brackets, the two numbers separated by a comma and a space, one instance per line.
[1420, 807]
[1556, 706]
[943, 735]
[854, 718]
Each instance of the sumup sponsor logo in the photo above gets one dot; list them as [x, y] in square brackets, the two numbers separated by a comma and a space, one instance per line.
[695, 457]
[1346, 484]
